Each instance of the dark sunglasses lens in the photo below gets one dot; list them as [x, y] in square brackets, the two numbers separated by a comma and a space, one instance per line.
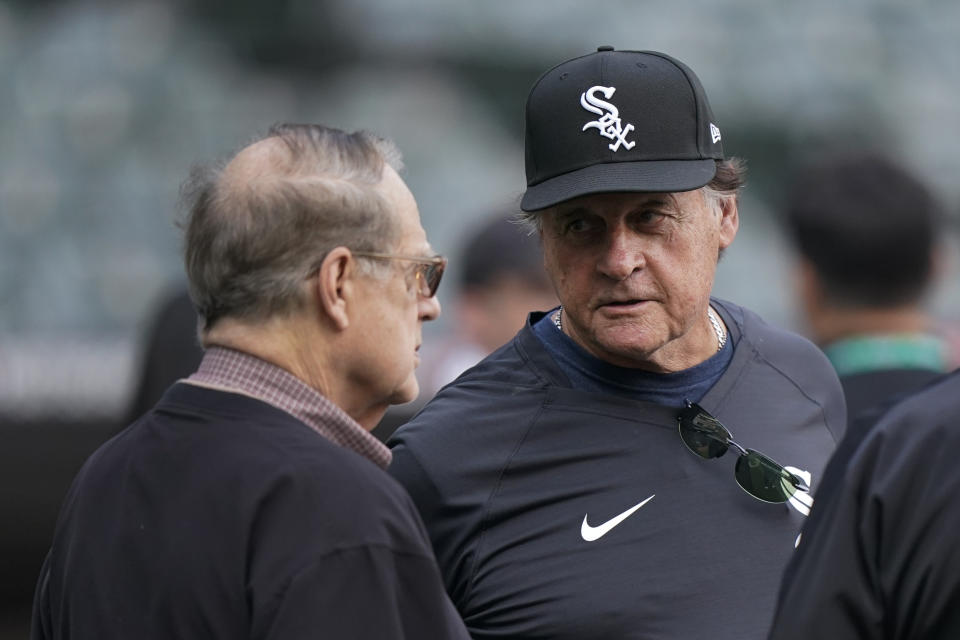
[702, 433]
[764, 478]
[431, 277]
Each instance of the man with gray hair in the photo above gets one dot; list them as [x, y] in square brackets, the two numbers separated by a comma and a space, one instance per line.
[251, 502]
[573, 483]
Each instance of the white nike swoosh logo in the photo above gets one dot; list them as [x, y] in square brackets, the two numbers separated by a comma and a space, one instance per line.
[595, 533]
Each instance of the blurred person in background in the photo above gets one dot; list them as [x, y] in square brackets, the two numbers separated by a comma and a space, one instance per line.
[878, 557]
[251, 502]
[867, 234]
[574, 483]
[171, 351]
[501, 279]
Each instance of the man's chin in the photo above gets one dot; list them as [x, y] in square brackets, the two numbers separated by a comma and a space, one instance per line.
[407, 393]
[624, 351]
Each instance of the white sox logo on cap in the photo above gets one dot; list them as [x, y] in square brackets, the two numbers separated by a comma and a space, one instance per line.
[609, 124]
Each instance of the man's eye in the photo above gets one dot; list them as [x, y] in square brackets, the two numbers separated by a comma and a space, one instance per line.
[577, 225]
[649, 216]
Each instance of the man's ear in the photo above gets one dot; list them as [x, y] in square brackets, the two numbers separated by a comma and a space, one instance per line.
[333, 285]
[729, 221]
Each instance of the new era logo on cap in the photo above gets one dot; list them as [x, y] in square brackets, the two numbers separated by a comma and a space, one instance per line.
[617, 121]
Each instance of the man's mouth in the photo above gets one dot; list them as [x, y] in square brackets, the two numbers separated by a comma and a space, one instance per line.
[621, 303]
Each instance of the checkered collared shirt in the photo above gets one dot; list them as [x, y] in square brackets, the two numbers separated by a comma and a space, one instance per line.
[240, 372]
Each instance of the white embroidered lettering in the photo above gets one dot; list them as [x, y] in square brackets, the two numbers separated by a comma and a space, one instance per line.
[608, 124]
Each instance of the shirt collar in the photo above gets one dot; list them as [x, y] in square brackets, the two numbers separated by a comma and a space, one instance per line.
[240, 372]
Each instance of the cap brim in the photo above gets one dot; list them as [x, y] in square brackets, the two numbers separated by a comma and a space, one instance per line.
[652, 176]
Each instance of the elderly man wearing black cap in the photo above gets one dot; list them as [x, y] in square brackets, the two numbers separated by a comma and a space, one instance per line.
[574, 483]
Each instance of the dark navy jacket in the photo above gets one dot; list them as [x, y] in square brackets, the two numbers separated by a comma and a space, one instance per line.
[880, 558]
[219, 516]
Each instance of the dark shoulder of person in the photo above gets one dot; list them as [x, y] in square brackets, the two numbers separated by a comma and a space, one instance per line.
[293, 460]
[871, 392]
[216, 490]
[789, 352]
[877, 552]
[859, 427]
[171, 351]
[792, 356]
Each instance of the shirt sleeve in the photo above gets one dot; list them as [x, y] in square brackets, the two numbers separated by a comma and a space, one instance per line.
[366, 592]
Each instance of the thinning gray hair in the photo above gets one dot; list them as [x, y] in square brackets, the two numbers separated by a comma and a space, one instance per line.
[250, 244]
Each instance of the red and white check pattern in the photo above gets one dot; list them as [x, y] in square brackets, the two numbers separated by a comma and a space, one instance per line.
[237, 371]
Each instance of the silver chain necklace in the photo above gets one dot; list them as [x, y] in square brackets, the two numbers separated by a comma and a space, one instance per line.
[717, 328]
[714, 320]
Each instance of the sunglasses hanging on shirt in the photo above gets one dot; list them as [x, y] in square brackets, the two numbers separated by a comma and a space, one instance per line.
[758, 474]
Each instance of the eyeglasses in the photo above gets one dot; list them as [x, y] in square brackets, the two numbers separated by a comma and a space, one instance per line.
[758, 474]
[429, 270]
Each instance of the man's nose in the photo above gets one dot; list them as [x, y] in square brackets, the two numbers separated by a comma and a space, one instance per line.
[622, 255]
[429, 308]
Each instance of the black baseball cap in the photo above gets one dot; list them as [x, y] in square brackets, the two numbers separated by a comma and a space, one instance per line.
[617, 121]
